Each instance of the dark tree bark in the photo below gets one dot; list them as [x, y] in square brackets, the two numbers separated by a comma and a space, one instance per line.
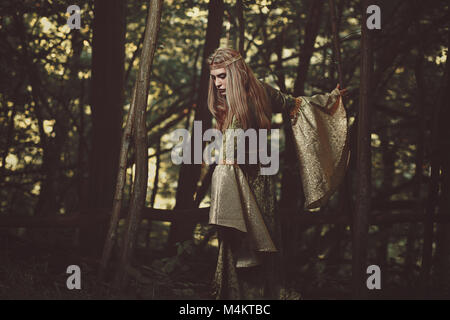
[363, 188]
[388, 154]
[438, 158]
[442, 255]
[206, 183]
[344, 205]
[148, 227]
[410, 259]
[107, 97]
[158, 166]
[336, 42]
[139, 193]
[241, 25]
[190, 173]
[307, 48]
[120, 184]
[200, 215]
[279, 45]
[82, 148]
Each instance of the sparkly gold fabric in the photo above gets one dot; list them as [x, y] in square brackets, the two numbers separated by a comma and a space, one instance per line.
[243, 202]
[233, 205]
[321, 142]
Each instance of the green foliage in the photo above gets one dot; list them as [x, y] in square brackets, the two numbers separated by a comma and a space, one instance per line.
[177, 263]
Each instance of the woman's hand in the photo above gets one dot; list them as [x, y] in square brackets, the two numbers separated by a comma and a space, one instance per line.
[343, 92]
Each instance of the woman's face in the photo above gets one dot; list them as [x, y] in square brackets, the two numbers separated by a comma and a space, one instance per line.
[219, 76]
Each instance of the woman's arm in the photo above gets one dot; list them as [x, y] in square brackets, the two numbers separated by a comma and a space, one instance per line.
[282, 101]
[319, 127]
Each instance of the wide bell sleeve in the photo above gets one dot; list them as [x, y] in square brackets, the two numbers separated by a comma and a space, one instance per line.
[233, 203]
[319, 126]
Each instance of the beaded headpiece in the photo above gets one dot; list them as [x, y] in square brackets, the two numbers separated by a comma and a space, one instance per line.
[213, 65]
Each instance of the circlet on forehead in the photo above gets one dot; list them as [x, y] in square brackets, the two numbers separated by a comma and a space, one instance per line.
[214, 66]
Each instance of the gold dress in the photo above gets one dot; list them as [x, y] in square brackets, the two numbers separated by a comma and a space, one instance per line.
[243, 202]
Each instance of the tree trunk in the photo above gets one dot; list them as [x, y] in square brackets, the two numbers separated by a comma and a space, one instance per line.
[140, 140]
[307, 49]
[411, 258]
[388, 154]
[344, 205]
[241, 25]
[363, 188]
[336, 42]
[107, 97]
[443, 234]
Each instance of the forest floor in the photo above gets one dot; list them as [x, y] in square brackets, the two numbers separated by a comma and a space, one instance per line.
[38, 270]
[32, 270]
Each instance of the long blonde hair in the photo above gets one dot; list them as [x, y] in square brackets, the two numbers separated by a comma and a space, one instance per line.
[246, 97]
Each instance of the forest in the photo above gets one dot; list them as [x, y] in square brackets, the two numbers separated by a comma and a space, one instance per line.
[86, 116]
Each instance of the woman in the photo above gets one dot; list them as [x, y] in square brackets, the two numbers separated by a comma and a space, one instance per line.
[243, 201]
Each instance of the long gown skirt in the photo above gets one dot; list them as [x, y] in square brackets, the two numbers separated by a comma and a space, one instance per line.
[263, 281]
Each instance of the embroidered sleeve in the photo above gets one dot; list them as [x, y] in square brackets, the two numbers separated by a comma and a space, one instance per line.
[283, 102]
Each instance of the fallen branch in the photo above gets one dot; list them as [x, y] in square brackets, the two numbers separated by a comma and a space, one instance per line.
[200, 215]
